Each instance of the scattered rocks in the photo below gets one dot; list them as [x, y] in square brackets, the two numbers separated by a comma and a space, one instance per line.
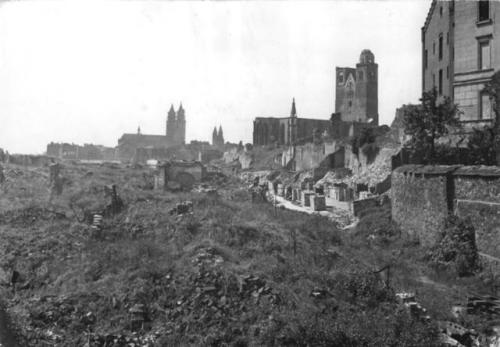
[453, 334]
[116, 205]
[483, 304]
[182, 208]
[28, 216]
[318, 293]
[96, 224]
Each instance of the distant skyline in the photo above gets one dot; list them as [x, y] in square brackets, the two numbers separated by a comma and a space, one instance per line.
[87, 72]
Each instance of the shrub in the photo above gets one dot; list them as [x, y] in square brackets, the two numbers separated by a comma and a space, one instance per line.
[456, 247]
[377, 225]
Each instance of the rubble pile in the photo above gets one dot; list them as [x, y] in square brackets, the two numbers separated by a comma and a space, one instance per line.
[182, 208]
[483, 304]
[52, 317]
[30, 215]
[215, 301]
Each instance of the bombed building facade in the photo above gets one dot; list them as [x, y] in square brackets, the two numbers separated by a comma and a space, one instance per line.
[86, 152]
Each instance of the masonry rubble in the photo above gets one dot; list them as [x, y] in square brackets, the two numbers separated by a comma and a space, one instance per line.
[182, 208]
[116, 204]
[55, 180]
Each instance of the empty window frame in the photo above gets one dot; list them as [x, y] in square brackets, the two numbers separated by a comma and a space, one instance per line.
[483, 10]
[485, 106]
[340, 78]
[440, 82]
[484, 53]
[440, 46]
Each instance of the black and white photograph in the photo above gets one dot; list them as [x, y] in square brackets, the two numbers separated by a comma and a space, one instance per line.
[247, 173]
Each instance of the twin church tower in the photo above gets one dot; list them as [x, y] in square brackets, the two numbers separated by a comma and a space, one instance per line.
[176, 126]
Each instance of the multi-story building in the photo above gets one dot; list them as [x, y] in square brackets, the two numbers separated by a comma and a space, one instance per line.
[460, 53]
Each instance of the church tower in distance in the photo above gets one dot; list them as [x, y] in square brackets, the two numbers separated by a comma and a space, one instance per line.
[181, 126]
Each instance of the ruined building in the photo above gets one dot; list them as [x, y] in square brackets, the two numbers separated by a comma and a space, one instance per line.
[356, 91]
[86, 152]
[218, 137]
[286, 130]
[459, 43]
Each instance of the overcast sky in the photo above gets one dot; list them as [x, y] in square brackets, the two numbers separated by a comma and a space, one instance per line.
[86, 72]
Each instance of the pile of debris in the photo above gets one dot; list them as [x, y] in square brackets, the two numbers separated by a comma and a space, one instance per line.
[214, 301]
[182, 208]
[28, 216]
[112, 340]
[483, 304]
[408, 300]
[451, 333]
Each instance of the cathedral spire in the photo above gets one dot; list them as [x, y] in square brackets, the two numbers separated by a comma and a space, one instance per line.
[293, 113]
[214, 137]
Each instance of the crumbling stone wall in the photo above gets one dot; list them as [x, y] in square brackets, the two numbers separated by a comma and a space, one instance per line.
[478, 197]
[423, 196]
[419, 203]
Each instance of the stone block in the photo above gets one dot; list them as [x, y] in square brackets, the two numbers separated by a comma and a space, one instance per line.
[305, 198]
[280, 190]
[317, 202]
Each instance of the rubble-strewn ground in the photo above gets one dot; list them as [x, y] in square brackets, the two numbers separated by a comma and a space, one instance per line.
[227, 272]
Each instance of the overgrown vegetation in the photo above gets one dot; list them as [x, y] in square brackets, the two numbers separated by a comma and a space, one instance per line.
[481, 145]
[456, 247]
[233, 272]
[428, 122]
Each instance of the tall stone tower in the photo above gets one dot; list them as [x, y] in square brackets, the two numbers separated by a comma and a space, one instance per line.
[292, 127]
[181, 127]
[356, 90]
[220, 136]
[367, 87]
[214, 137]
[171, 125]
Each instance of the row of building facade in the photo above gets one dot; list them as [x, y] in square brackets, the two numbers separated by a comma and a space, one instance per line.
[460, 53]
